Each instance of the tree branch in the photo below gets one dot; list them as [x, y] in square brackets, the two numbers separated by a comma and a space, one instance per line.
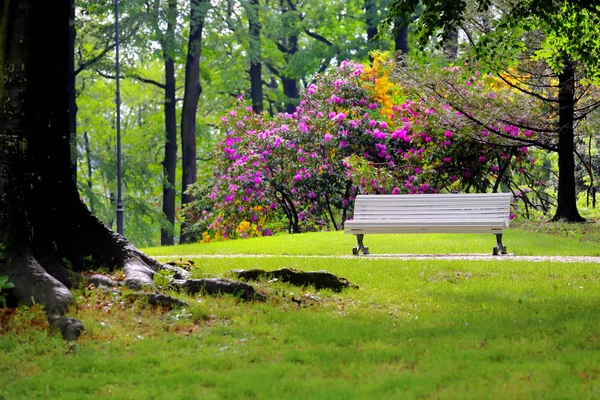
[93, 60]
[318, 37]
[136, 77]
[273, 70]
[528, 92]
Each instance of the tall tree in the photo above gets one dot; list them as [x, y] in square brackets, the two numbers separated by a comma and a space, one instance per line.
[372, 21]
[170, 160]
[42, 220]
[568, 45]
[254, 54]
[287, 41]
[167, 43]
[298, 31]
[193, 89]
[44, 226]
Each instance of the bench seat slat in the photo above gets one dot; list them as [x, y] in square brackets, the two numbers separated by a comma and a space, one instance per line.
[448, 229]
[436, 213]
[430, 213]
[433, 196]
[407, 222]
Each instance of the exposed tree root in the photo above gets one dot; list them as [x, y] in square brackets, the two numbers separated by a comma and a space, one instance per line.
[214, 286]
[102, 281]
[159, 299]
[44, 276]
[318, 279]
[70, 328]
[185, 264]
[33, 284]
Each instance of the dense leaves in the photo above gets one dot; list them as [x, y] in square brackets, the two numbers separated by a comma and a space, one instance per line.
[356, 130]
[568, 27]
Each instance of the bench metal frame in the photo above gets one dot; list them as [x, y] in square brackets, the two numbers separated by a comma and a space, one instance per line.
[430, 213]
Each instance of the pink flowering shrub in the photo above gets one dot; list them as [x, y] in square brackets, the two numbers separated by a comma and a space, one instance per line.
[354, 132]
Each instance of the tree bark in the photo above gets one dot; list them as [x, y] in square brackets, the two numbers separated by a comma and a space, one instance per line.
[567, 195]
[170, 160]
[193, 89]
[71, 90]
[88, 158]
[255, 72]
[292, 93]
[36, 191]
[371, 20]
[451, 45]
[401, 37]
[44, 225]
[288, 45]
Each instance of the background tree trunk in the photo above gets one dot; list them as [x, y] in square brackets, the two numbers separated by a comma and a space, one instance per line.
[254, 27]
[292, 93]
[170, 160]
[567, 195]
[401, 37]
[450, 47]
[371, 21]
[193, 89]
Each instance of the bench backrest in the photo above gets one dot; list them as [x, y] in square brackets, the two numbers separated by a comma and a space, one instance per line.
[434, 207]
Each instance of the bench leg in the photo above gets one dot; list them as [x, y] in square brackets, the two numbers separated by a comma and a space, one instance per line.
[499, 249]
[361, 247]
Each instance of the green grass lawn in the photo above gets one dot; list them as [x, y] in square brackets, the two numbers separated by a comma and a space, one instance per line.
[521, 242]
[414, 329]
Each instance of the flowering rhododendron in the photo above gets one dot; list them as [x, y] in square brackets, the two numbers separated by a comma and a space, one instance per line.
[355, 131]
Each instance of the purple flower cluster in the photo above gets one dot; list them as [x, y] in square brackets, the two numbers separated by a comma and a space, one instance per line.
[307, 167]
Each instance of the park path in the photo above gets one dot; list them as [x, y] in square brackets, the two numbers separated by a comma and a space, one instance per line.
[483, 257]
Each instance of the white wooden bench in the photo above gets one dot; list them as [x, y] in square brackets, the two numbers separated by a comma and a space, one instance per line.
[430, 213]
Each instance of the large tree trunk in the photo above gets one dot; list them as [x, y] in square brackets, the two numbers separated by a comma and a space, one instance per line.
[193, 89]
[42, 219]
[170, 160]
[71, 90]
[567, 196]
[43, 223]
[255, 72]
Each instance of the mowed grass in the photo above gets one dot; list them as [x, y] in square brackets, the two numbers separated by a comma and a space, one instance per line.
[580, 242]
[414, 329]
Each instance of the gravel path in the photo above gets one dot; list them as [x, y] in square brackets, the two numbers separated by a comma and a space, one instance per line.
[584, 259]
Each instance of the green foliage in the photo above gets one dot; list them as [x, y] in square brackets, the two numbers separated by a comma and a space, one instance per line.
[142, 143]
[4, 285]
[322, 32]
[162, 279]
[567, 28]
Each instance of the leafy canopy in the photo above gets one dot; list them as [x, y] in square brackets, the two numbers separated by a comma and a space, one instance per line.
[568, 27]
